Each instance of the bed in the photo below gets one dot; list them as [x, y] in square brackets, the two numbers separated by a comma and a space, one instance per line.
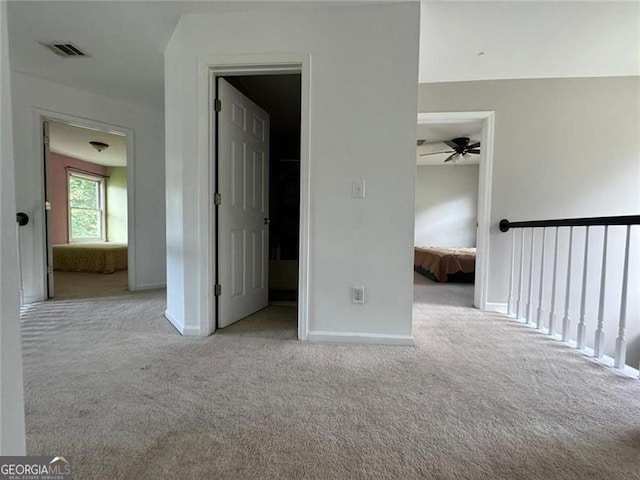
[103, 257]
[446, 264]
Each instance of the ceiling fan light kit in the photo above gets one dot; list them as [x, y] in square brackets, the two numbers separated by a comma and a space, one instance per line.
[460, 146]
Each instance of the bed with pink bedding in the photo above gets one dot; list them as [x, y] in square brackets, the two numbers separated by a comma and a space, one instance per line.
[442, 264]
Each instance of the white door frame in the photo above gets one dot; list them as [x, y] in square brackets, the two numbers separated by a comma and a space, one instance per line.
[214, 66]
[42, 116]
[484, 191]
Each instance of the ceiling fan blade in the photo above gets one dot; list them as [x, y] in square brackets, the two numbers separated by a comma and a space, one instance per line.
[474, 145]
[474, 150]
[450, 157]
[435, 153]
[451, 144]
[425, 143]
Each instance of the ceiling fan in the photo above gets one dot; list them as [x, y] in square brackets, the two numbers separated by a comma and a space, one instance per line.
[460, 147]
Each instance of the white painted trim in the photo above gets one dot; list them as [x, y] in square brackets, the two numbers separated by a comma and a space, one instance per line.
[192, 332]
[484, 212]
[258, 64]
[31, 299]
[186, 331]
[42, 115]
[103, 196]
[149, 286]
[496, 307]
[304, 249]
[484, 191]
[177, 325]
[361, 338]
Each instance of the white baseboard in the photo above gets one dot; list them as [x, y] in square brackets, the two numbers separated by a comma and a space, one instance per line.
[186, 331]
[32, 299]
[191, 332]
[178, 325]
[363, 338]
[497, 307]
[148, 286]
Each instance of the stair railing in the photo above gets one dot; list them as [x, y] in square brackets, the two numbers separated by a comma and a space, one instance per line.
[521, 291]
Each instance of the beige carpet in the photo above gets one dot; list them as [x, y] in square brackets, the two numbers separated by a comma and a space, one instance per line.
[69, 285]
[110, 383]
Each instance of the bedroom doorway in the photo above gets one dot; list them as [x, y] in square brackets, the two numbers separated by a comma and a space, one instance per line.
[86, 187]
[257, 263]
[453, 184]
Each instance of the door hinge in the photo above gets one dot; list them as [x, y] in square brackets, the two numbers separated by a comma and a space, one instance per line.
[46, 140]
[218, 290]
[217, 199]
[47, 205]
[217, 105]
[49, 269]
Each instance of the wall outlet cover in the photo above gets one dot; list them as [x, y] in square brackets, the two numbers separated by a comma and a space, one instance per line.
[357, 295]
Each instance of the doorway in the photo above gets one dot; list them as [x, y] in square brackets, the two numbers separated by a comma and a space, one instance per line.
[446, 210]
[87, 172]
[465, 124]
[257, 176]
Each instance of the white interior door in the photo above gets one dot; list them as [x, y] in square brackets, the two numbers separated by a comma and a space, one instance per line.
[47, 207]
[243, 182]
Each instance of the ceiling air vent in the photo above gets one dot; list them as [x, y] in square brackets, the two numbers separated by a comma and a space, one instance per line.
[65, 49]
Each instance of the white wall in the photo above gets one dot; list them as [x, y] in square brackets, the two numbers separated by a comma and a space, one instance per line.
[359, 55]
[563, 148]
[31, 92]
[117, 204]
[446, 205]
[558, 151]
[12, 433]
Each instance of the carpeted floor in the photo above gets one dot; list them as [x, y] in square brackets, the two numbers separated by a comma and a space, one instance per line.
[110, 383]
[69, 285]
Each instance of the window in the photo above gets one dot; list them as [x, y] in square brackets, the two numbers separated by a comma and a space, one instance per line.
[86, 207]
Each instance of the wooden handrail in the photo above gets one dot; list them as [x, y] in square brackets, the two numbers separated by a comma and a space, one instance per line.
[505, 224]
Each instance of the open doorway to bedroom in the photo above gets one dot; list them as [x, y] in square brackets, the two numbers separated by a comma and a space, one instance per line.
[448, 163]
[86, 211]
[454, 158]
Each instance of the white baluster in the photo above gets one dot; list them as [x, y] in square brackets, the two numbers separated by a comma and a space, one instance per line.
[513, 263]
[521, 279]
[566, 322]
[541, 293]
[621, 342]
[530, 296]
[582, 328]
[598, 348]
[552, 313]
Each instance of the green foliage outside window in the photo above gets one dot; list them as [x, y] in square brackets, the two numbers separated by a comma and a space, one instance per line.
[85, 207]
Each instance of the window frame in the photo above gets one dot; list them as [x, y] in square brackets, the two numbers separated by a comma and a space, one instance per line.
[102, 207]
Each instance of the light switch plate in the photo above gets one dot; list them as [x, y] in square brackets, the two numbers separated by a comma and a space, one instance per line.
[358, 188]
[357, 295]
